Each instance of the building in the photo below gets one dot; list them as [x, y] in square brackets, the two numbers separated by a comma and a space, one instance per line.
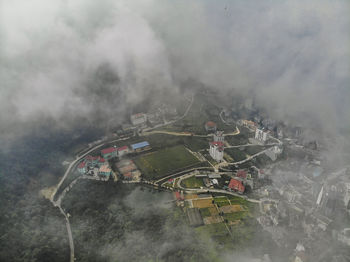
[105, 171]
[236, 185]
[142, 146]
[82, 168]
[247, 123]
[101, 162]
[216, 150]
[92, 160]
[109, 153]
[219, 136]
[273, 152]
[260, 135]
[210, 126]
[122, 150]
[138, 119]
[242, 174]
[179, 196]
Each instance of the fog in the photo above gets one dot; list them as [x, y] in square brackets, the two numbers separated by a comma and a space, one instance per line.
[59, 59]
[63, 63]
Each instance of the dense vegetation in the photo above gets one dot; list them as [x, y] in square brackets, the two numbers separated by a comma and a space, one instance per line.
[115, 222]
[31, 228]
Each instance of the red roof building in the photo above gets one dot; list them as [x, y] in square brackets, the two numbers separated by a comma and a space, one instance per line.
[217, 143]
[108, 150]
[123, 148]
[242, 174]
[127, 175]
[178, 196]
[82, 165]
[210, 126]
[236, 185]
[91, 158]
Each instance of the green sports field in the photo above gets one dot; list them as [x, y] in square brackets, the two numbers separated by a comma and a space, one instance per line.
[160, 163]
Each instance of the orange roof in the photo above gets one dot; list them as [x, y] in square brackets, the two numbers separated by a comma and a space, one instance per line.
[210, 124]
[105, 168]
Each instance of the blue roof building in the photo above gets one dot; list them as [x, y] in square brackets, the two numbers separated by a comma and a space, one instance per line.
[139, 145]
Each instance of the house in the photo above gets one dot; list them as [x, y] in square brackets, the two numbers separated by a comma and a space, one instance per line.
[105, 171]
[236, 185]
[127, 176]
[247, 123]
[216, 150]
[142, 146]
[207, 182]
[92, 160]
[219, 136]
[242, 174]
[138, 119]
[210, 126]
[82, 168]
[273, 152]
[109, 152]
[121, 151]
[178, 196]
[260, 135]
[101, 162]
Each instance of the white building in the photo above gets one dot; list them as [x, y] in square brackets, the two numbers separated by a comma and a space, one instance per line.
[219, 136]
[273, 152]
[216, 151]
[138, 119]
[260, 135]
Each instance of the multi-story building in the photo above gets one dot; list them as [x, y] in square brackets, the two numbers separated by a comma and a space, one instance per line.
[138, 119]
[82, 167]
[219, 136]
[216, 150]
[260, 135]
[109, 153]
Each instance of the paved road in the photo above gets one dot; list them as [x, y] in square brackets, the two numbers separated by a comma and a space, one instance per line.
[57, 203]
[211, 190]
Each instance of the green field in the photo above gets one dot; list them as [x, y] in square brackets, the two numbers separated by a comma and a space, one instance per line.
[160, 163]
[205, 212]
[221, 202]
[252, 150]
[236, 154]
[235, 215]
[192, 182]
[238, 201]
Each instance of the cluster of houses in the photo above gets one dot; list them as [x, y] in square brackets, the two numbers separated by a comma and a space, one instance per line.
[98, 166]
[128, 170]
[140, 120]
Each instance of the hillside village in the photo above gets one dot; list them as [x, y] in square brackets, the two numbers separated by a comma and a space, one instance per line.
[221, 171]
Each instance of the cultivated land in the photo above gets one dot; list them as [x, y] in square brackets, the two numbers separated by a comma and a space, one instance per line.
[228, 220]
[165, 161]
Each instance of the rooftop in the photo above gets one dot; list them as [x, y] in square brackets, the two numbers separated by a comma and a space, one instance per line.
[139, 145]
[217, 143]
[105, 168]
[108, 150]
[122, 148]
[210, 124]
